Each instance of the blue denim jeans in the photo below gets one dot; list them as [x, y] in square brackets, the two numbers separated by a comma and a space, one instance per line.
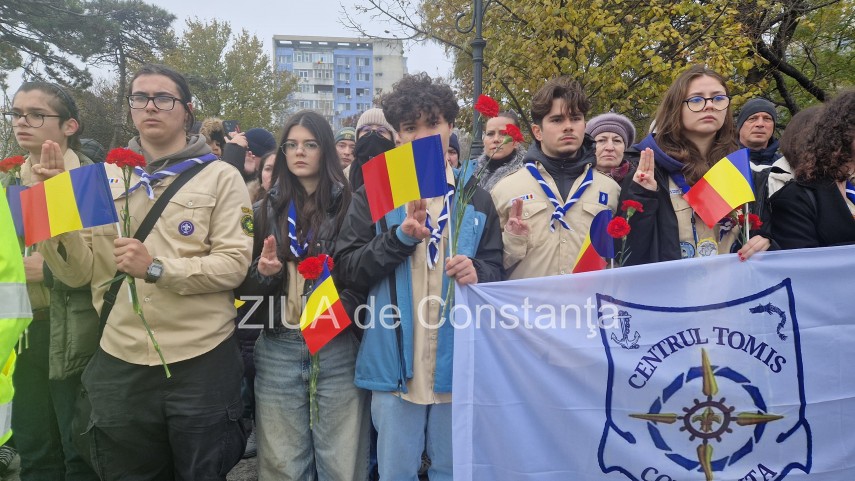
[404, 431]
[335, 448]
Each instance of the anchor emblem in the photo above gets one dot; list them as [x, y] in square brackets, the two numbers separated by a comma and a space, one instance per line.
[626, 342]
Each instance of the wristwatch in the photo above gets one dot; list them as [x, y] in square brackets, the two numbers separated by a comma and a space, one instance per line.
[154, 271]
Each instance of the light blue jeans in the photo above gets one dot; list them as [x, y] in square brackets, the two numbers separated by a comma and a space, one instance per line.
[336, 447]
[404, 430]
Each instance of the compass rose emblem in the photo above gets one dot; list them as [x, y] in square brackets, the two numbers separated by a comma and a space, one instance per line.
[709, 418]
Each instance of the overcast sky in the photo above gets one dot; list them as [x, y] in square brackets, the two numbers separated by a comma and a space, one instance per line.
[266, 18]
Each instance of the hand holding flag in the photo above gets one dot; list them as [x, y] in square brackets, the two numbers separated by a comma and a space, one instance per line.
[725, 187]
[413, 171]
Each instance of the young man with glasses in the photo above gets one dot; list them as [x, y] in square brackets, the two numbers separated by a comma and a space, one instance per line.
[143, 425]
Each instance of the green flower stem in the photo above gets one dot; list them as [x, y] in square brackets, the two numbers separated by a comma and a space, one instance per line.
[461, 200]
[132, 286]
[138, 310]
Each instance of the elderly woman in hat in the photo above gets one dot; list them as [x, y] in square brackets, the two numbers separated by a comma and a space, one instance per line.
[612, 134]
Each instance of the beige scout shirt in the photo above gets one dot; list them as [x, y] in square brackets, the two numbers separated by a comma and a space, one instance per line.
[709, 241]
[427, 307]
[39, 294]
[543, 252]
[191, 308]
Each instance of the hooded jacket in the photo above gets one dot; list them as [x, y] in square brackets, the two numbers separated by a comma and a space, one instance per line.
[372, 256]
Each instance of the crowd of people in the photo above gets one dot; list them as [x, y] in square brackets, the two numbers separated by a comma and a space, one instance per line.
[376, 400]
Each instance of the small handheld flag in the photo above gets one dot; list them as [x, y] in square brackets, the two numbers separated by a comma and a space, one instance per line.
[597, 245]
[410, 172]
[726, 186]
[324, 316]
[72, 200]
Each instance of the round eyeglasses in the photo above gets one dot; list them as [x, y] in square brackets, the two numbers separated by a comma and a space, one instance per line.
[697, 104]
[308, 146]
[33, 119]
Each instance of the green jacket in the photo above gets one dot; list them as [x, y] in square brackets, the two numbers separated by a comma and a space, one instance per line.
[74, 323]
[74, 328]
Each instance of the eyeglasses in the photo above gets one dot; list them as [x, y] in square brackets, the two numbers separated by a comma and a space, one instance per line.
[365, 129]
[33, 119]
[161, 102]
[308, 146]
[697, 104]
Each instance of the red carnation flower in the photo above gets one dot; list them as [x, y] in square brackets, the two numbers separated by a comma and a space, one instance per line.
[312, 267]
[618, 228]
[330, 263]
[514, 132]
[631, 204]
[10, 163]
[125, 158]
[487, 106]
[753, 221]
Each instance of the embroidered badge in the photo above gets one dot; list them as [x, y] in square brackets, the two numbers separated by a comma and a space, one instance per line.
[186, 228]
[687, 250]
[246, 224]
[114, 180]
[676, 192]
[604, 198]
[522, 198]
[246, 210]
[707, 247]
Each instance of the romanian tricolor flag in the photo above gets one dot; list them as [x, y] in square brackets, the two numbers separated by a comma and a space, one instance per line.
[72, 200]
[324, 317]
[597, 245]
[726, 186]
[410, 172]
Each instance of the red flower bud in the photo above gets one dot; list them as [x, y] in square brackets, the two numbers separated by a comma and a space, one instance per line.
[487, 106]
[618, 228]
[125, 158]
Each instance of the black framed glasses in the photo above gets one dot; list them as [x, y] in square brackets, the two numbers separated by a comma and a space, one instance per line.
[33, 119]
[161, 102]
[697, 104]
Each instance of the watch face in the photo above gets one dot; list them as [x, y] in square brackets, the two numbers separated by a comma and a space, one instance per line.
[154, 272]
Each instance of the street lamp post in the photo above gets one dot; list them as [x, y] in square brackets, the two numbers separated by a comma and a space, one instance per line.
[478, 43]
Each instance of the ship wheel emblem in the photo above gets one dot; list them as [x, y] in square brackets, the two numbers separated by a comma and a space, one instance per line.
[710, 419]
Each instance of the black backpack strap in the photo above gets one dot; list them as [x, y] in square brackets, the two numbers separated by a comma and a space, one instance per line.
[145, 228]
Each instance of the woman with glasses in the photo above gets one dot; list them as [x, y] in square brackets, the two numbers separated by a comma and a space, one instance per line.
[299, 433]
[144, 425]
[694, 129]
[64, 331]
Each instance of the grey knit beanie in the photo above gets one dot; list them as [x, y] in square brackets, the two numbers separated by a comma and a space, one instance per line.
[754, 106]
[611, 122]
[373, 116]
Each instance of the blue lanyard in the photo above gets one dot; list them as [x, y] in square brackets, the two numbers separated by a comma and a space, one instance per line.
[436, 232]
[560, 211]
[680, 180]
[296, 249]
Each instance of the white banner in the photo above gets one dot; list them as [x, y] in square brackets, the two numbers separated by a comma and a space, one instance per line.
[703, 369]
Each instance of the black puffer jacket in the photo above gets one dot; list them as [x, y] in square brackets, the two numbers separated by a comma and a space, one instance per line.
[257, 285]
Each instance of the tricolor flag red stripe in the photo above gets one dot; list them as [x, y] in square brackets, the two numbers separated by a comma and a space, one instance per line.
[410, 172]
[324, 316]
[725, 187]
[72, 200]
[597, 244]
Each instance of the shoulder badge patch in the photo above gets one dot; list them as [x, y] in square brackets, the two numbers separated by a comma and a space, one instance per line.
[246, 224]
